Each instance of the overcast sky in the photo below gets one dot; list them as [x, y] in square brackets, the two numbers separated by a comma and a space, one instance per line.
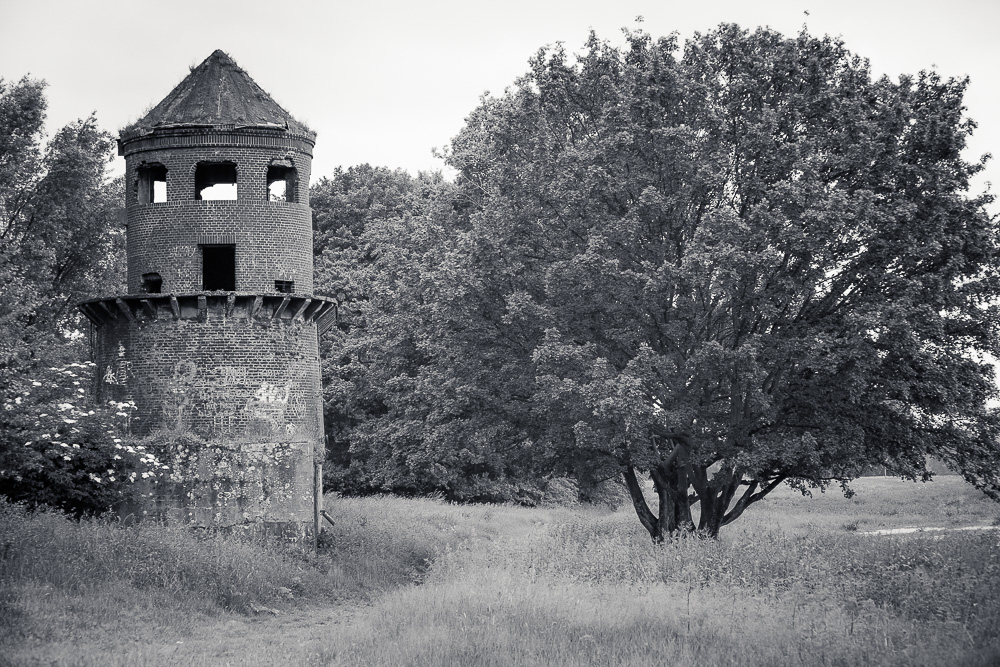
[386, 81]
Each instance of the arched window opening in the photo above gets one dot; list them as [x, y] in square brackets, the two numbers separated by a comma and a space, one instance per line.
[281, 181]
[215, 181]
[152, 283]
[151, 184]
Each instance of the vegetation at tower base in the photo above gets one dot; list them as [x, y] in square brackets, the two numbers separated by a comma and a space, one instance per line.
[60, 238]
[727, 266]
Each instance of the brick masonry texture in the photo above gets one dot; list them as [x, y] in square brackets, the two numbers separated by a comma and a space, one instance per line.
[227, 397]
[273, 239]
[240, 402]
[273, 242]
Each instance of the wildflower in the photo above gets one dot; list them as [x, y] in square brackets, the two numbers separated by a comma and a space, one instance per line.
[63, 444]
[36, 383]
[67, 458]
[69, 421]
[76, 446]
[17, 400]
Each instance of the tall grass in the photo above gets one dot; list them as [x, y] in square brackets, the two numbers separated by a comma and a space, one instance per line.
[421, 582]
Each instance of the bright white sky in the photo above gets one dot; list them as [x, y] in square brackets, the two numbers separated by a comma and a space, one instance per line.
[385, 81]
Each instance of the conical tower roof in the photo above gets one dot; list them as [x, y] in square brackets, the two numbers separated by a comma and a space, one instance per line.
[217, 93]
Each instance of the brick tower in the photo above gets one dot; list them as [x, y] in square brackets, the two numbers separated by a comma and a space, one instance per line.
[216, 341]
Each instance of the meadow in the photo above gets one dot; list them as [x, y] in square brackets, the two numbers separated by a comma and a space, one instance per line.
[796, 581]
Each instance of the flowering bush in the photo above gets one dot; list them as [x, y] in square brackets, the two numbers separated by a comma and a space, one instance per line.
[56, 450]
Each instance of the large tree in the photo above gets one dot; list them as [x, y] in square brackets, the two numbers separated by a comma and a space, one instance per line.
[61, 237]
[61, 241]
[733, 265]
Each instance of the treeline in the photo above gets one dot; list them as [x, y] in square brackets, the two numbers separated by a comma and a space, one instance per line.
[720, 268]
[724, 266]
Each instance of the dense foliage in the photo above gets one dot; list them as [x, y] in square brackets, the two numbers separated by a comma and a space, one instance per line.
[739, 264]
[61, 241]
[407, 409]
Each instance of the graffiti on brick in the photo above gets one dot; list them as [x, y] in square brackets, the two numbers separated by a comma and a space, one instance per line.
[269, 403]
[178, 395]
[119, 371]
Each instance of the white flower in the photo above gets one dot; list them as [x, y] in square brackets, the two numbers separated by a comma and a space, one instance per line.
[76, 446]
[67, 458]
[36, 383]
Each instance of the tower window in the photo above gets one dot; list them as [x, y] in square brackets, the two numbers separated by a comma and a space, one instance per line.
[215, 181]
[281, 181]
[218, 268]
[284, 286]
[152, 283]
[151, 184]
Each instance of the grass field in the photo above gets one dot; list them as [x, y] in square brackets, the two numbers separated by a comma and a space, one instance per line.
[420, 582]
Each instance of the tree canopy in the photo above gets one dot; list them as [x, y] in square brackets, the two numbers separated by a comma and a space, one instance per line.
[61, 241]
[727, 266]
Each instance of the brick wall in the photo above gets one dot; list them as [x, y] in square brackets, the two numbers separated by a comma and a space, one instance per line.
[273, 242]
[273, 239]
[232, 407]
[228, 396]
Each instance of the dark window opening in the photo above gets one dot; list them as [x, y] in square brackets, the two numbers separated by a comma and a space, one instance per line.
[215, 181]
[152, 283]
[218, 268]
[151, 184]
[284, 286]
[281, 183]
